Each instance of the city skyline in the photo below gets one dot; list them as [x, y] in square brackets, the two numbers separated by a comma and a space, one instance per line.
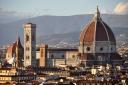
[60, 42]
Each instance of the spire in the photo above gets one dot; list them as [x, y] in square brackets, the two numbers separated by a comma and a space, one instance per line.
[98, 12]
[18, 42]
[18, 39]
[97, 15]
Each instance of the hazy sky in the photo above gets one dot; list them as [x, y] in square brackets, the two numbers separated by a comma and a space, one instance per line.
[61, 7]
[13, 10]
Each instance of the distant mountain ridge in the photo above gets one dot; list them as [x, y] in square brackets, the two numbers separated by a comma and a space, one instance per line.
[73, 38]
[49, 25]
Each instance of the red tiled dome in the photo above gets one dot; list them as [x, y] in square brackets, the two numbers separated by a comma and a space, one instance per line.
[97, 30]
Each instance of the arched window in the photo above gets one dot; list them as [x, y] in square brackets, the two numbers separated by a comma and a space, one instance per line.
[27, 38]
[73, 56]
[27, 57]
[101, 49]
[52, 56]
[88, 48]
[27, 48]
[100, 58]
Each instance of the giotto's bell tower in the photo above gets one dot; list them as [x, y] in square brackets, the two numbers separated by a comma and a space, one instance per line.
[29, 44]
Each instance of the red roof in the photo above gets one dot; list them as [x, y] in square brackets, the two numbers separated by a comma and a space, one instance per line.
[11, 48]
[97, 30]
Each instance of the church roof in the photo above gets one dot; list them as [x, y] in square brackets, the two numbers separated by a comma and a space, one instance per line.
[97, 30]
[11, 49]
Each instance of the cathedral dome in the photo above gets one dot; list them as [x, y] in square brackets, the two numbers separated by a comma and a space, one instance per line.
[98, 44]
[97, 30]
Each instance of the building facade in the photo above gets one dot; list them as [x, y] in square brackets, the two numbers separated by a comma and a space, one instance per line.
[53, 57]
[15, 75]
[29, 44]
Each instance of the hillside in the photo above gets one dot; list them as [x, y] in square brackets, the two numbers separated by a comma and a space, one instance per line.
[49, 25]
[73, 38]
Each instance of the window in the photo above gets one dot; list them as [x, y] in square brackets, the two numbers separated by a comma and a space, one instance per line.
[27, 48]
[27, 57]
[101, 49]
[52, 56]
[62, 56]
[100, 58]
[111, 49]
[73, 56]
[41, 52]
[88, 48]
[27, 38]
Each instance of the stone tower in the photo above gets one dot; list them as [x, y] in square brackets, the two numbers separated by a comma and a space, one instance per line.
[29, 44]
[43, 55]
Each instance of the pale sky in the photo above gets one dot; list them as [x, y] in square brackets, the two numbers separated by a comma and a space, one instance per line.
[61, 7]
